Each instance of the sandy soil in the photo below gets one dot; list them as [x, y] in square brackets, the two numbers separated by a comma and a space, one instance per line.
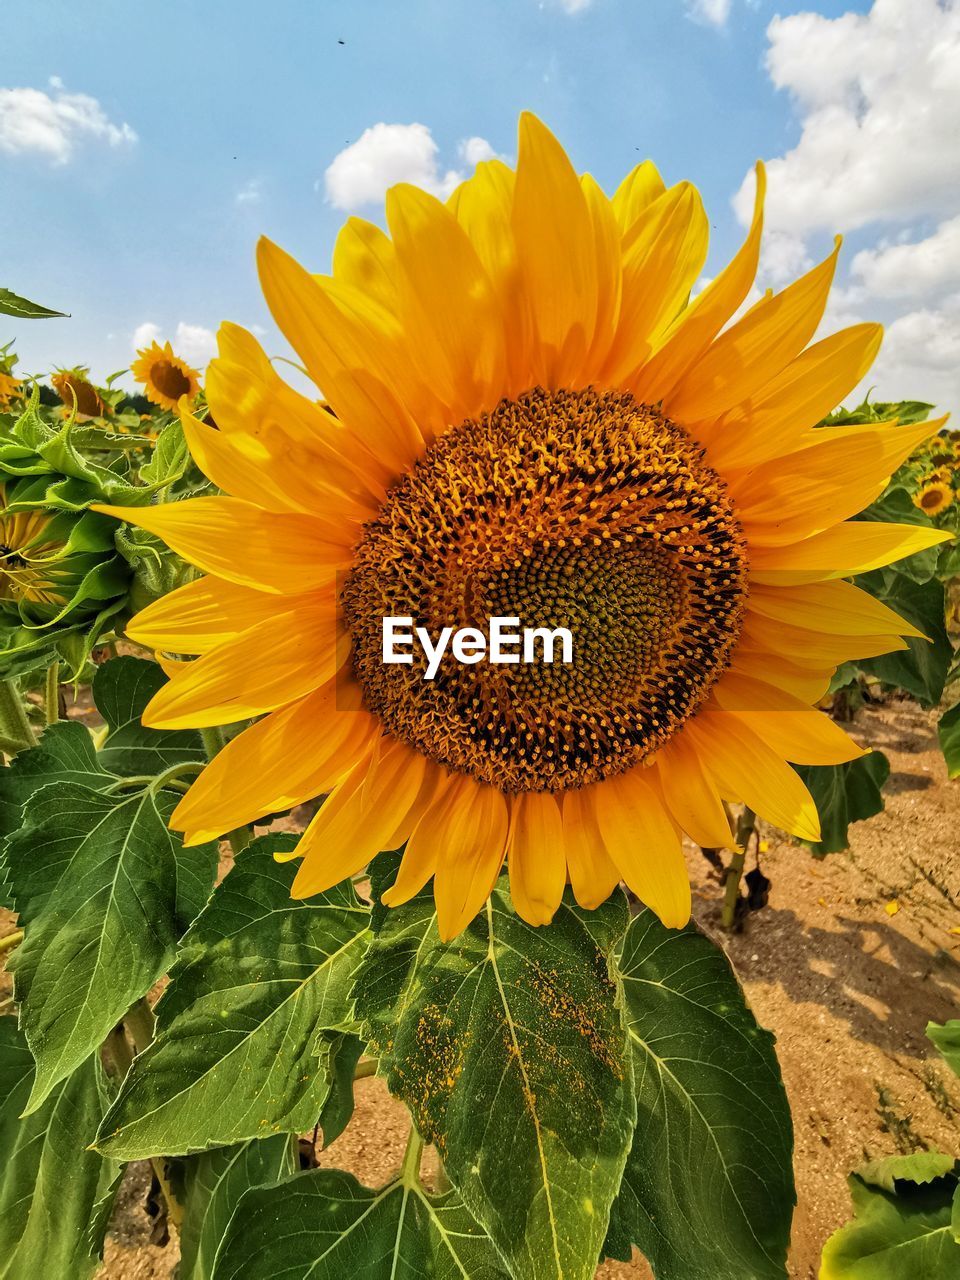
[846, 965]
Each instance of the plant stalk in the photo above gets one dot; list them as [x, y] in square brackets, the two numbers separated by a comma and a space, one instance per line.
[366, 1068]
[11, 940]
[214, 742]
[14, 726]
[51, 694]
[746, 825]
[410, 1169]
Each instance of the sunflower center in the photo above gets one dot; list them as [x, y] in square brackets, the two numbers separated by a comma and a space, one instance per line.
[583, 510]
[169, 380]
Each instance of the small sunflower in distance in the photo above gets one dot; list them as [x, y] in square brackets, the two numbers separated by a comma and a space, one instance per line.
[530, 419]
[164, 376]
[78, 393]
[934, 497]
[10, 389]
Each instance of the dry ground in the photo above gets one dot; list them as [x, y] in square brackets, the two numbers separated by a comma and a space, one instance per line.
[846, 986]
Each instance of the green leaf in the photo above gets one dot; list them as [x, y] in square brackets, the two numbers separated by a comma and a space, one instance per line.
[921, 669]
[919, 1167]
[708, 1189]
[49, 1182]
[893, 1237]
[104, 890]
[169, 459]
[121, 690]
[239, 1051]
[65, 753]
[844, 793]
[325, 1225]
[947, 1039]
[343, 1054]
[949, 733]
[508, 1047]
[11, 304]
[214, 1184]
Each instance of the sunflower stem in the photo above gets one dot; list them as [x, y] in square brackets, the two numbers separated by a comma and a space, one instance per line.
[11, 940]
[214, 742]
[138, 1023]
[366, 1068]
[410, 1169]
[746, 825]
[15, 728]
[51, 694]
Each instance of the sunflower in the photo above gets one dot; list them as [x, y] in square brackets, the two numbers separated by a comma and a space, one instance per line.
[165, 377]
[934, 497]
[78, 393]
[529, 418]
[30, 555]
[10, 389]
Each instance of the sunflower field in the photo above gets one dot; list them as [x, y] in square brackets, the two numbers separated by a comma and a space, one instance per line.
[247, 861]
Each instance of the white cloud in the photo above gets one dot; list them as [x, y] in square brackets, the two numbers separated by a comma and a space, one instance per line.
[386, 154]
[572, 6]
[879, 101]
[53, 124]
[914, 268]
[920, 357]
[250, 193]
[192, 341]
[712, 12]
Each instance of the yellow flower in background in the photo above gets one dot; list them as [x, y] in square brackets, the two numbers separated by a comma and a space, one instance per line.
[10, 389]
[30, 557]
[165, 377]
[934, 497]
[530, 418]
[78, 393]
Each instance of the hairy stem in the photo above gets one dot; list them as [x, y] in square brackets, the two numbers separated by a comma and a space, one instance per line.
[51, 694]
[746, 824]
[410, 1169]
[213, 742]
[15, 728]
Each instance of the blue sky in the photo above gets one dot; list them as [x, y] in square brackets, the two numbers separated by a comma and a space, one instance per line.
[217, 121]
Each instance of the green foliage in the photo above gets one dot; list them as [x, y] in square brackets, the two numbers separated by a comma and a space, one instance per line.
[949, 733]
[905, 412]
[326, 1225]
[11, 304]
[508, 1047]
[707, 1193]
[121, 690]
[844, 793]
[899, 1233]
[947, 1039]
[921, 669]
[214, 1183]
[102, 887]
[50, 1183]
[244, 1027]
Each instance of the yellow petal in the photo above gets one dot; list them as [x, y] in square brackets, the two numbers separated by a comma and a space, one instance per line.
[235, 681]
[593, 876]
[555, 245]
[364, 258]
[837, 607]
[854, 547]
[606, 235]
[470, 860]
[636, 193]
[286, 758]
[841, 471]
[284, 554]
[796, 399]
[660, 266]
[697, 326]
[201, 615]
[535, 856]
[446, 303]
[805, 683]
[691, 795]
[814, 649]
[644, 843]
[793, 729]
[746, 769]
[427, 841]
[357, 819]
[753, 350]
[348, 345]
